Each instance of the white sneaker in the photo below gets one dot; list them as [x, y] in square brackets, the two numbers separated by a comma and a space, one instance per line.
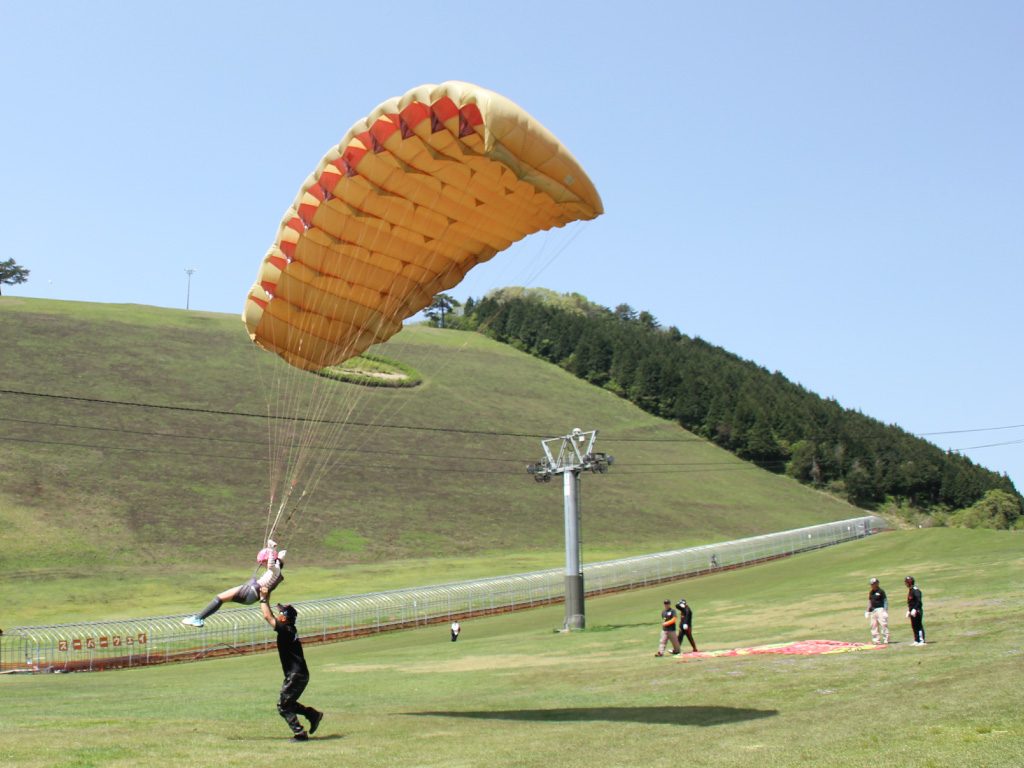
[193, 621]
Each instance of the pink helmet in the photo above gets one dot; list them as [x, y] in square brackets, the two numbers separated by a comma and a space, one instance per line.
[266, 555]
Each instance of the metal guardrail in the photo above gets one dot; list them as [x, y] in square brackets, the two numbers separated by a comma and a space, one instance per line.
[162, 639]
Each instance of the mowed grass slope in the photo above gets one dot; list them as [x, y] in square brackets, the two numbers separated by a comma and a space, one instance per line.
[167, 506]
[512, 692]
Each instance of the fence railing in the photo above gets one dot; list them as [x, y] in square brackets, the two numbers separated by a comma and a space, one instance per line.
[161, 639]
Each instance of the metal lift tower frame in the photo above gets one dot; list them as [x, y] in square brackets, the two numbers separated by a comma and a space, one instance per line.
[568, 456]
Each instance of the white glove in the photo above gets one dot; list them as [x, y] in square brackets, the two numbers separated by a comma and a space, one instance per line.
[908, 614]
[914, 612]
[686, 626]
[866, 614]
[271, 543]
[281, 554]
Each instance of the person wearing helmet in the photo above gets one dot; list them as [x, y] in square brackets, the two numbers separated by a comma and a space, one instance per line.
[915, 610]
[878, 612]
[293, 664]
[685, 623]
[248, 593]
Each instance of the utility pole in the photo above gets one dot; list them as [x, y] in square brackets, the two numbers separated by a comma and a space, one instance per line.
[568, 456]
[188, 291]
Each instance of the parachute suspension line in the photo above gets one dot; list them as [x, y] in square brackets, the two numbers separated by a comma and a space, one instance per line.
[388, 407]
[391, 407]
[329, 407]
[341, 401]
[275, 467]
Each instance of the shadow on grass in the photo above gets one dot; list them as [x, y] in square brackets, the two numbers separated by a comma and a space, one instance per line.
[610, 627]
[287, 739]
[667, 715]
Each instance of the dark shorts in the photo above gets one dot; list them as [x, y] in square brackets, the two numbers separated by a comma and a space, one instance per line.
[248, 593]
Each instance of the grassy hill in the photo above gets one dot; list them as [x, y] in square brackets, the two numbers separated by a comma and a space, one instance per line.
[129, 462]
[512, 692]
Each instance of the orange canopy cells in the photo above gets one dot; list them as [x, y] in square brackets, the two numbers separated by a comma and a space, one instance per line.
[417, 193]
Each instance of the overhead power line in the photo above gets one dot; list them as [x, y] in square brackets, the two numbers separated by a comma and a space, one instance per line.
[345, 422]
[264, 416]
[453, 430]
[965, 431]
[626, 469]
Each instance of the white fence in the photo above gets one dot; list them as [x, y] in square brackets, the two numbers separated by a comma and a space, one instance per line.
[156, 640]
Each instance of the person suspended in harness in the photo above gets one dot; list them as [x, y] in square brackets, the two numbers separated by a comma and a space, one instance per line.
[268, 559]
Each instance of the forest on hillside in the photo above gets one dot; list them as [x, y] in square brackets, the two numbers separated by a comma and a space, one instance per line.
[758, 415]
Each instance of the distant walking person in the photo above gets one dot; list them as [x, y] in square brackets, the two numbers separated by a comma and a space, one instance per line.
[293, 664]
[685, 623]
[915, 610]
[668, 630]
[878, 612]
[456, 628]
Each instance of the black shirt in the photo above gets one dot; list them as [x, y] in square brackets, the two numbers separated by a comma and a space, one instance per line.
[668, 620]
[876, 598]
[289, 648]
[914, 600]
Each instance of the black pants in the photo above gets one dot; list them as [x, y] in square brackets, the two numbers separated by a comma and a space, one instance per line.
[917, 624]
[688, 634]
[288, 705]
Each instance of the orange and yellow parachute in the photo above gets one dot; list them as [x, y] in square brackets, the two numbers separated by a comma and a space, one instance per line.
[423, 189]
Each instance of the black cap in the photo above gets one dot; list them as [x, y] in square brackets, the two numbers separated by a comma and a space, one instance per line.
[288, 610]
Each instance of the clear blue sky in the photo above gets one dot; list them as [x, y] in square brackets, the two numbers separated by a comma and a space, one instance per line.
[834, 190]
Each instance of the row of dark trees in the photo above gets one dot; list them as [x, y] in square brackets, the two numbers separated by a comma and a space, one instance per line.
[760, 416]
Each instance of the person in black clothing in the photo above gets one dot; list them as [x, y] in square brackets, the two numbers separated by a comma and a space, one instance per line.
[686, 623]
[293, 663]
[878, 612]
[915, 610]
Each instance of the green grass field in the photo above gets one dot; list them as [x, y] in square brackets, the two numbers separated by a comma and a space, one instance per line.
[176, 501]
[513, 692]
[110, 511]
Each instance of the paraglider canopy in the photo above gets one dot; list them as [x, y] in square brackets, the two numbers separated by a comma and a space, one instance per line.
[416, 194]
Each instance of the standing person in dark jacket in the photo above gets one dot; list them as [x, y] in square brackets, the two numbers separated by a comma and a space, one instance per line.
[293, 663]
[878, 612]
[668, 630]
[915, 610]
[685, 623]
